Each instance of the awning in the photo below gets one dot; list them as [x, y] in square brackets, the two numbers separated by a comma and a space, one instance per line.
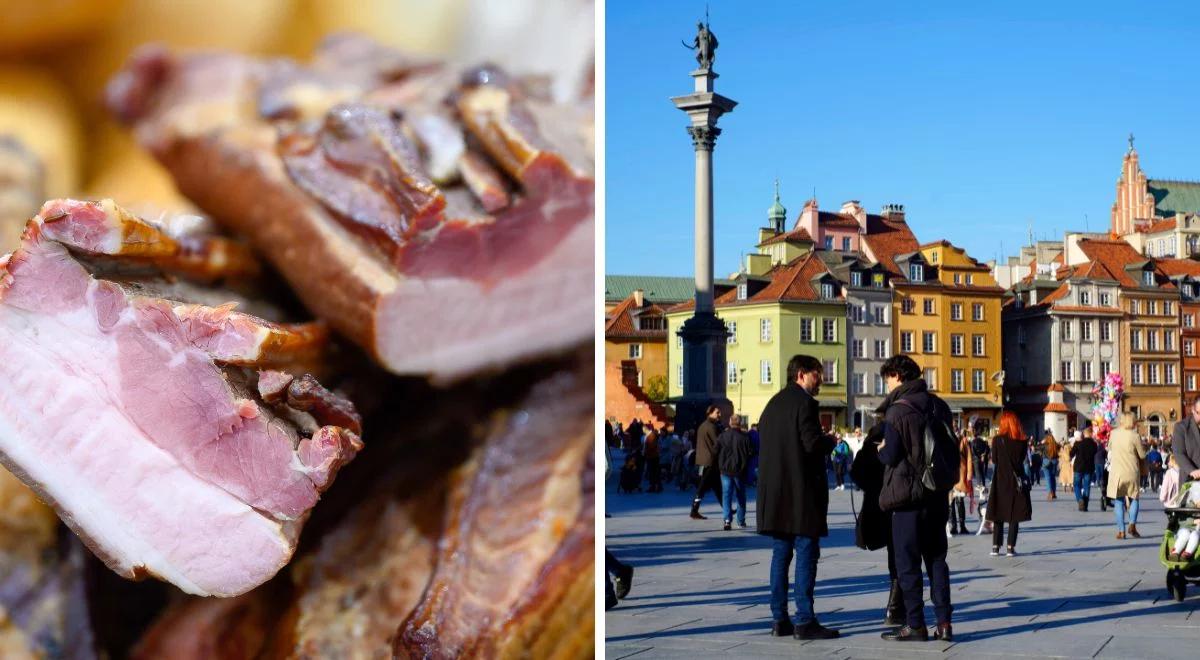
[830, 403]
[959, 405]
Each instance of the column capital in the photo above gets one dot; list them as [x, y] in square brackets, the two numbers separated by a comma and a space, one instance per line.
[704, 138]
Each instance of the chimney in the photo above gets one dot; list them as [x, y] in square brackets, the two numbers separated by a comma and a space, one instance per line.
[855, 210]
[808, 220]
[638, 297]
[893, 212]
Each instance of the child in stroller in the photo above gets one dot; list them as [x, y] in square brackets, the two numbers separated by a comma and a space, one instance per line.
[1181, 538]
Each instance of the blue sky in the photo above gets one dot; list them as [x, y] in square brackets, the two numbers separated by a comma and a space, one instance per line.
[980, 120]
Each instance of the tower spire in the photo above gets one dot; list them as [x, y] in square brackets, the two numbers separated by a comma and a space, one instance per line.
[1131, 142]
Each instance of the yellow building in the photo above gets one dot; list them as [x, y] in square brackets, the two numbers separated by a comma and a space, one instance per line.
[794, 308]
[635, 356]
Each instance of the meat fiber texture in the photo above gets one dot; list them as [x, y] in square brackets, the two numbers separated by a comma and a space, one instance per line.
[159, 429]
[440, 218]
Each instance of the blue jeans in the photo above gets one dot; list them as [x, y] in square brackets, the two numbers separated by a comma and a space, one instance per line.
[1051, 469]
[730, 485]
[1083, 485]
[807, 550]
[1098, 476]
[1120, 509]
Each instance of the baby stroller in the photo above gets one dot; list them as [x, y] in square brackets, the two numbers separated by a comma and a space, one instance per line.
[1182, 571]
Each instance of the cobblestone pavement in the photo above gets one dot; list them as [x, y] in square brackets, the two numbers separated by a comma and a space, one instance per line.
[1073, 591]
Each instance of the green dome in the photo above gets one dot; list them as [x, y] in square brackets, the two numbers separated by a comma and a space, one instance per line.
[776, 210]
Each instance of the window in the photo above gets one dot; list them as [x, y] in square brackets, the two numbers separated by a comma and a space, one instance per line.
[1021, 335]
[742, 290]
[1085, 297]
[881, 349]
[957, 278]
[879, 314]
[764, 372]
[916, 272]
[970, 279]
[977, 312]
[1135, 340]
[933, 257]
[827, 291]
[846, 243]
[679, 374]
[1105, 368]
[978, 380]
[1085, 330]
[856, 278]
[907, 306]
[956, 311]
[1106, 300]
[956, 380]
[1148, 278]
[731, 326]
[856, 349]
[731, 373]
[764, 329]
[856, 313]
[931, 379]
[635, 351]
[1066, 371]
[806, 330]
[828, 242]
[1169, 370]
[1137, 374]
[877, 280]
[1152, 368]
[1151, 340]
[977, 345]
[829, 330]
[928, 342]
[830, 371]
[1189, 320]
[1191, 381]
[1189, 291]
[928, 303]
[1086, 371]
[1189, 348]
[1068, 327]
[860, 383]
[1134, 307]
[1168, 308]
[880, 386]
[956, 345]
[906, 342]
[679, 341]
[1153, 307]
[1168, 340]
[1106, 331]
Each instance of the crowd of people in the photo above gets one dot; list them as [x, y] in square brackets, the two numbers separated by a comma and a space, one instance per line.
[921, 482]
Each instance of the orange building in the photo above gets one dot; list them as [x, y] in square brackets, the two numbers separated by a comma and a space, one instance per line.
[1185, 273]
[635, 360]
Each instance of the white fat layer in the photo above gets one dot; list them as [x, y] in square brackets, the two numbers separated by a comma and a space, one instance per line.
[62, 426]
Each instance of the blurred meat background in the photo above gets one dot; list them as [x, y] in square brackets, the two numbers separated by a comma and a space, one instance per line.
[56, 140]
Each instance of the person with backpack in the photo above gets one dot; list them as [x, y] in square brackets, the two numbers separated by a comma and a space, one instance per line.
[1154, 461]
[920, 458]
[1008, 501]
[841, 462]
[793, 495]
[1050, 454]
[733, 455]
[1083, 459]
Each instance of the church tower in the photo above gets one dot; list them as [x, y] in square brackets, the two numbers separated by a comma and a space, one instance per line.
[776, 215]
[1134, 201]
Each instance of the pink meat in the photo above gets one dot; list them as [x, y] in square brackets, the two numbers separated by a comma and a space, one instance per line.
[115, 409]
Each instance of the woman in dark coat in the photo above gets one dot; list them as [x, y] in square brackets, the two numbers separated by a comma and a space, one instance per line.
[1008, 501]
[873, 530]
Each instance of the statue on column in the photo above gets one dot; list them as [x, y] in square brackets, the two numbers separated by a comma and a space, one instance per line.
[705, 45]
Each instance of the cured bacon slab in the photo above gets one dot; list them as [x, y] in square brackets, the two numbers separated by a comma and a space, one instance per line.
[441, 219]
[140, 418]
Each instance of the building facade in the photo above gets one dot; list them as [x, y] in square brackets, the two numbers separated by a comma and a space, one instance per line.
[635, 359]
[871, 339]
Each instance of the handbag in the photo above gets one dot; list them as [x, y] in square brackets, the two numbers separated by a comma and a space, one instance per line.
[1024, 485]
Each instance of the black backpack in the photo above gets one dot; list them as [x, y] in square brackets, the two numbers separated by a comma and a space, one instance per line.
[939, 453]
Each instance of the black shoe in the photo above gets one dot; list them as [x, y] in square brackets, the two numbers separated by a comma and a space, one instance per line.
[728, 526]
[782, 628]
[623, 580]
[906, 634]
[963, 530]
[894, 614]
[814, 630]
[944, 632]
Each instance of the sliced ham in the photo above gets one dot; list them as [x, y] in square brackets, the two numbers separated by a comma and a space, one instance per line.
[139, 418]
[340, 173]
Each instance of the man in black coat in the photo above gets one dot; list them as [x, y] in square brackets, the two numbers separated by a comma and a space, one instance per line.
[706, 463]
[918, 524]
[793, 494]
[1083, 460]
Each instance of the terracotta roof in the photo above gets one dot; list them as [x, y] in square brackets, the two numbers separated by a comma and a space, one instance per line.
[1057, 294]
[888, 238]
[1056, 407]
[800, 234]
[1159, 225]
[838, 220]
[1173, 267]
[1115, 255]
[1057, 387]
[620, 323]
[1087, 310]
[789, 282]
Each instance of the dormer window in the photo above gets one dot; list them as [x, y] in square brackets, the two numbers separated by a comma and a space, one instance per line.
[933, 257]
[1085, 298]
[827, 290]
[1147, 278]
[1188, 290]
[742, 290]
[877, 280]
[855, 278]
[828, 242]
[916, 272]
